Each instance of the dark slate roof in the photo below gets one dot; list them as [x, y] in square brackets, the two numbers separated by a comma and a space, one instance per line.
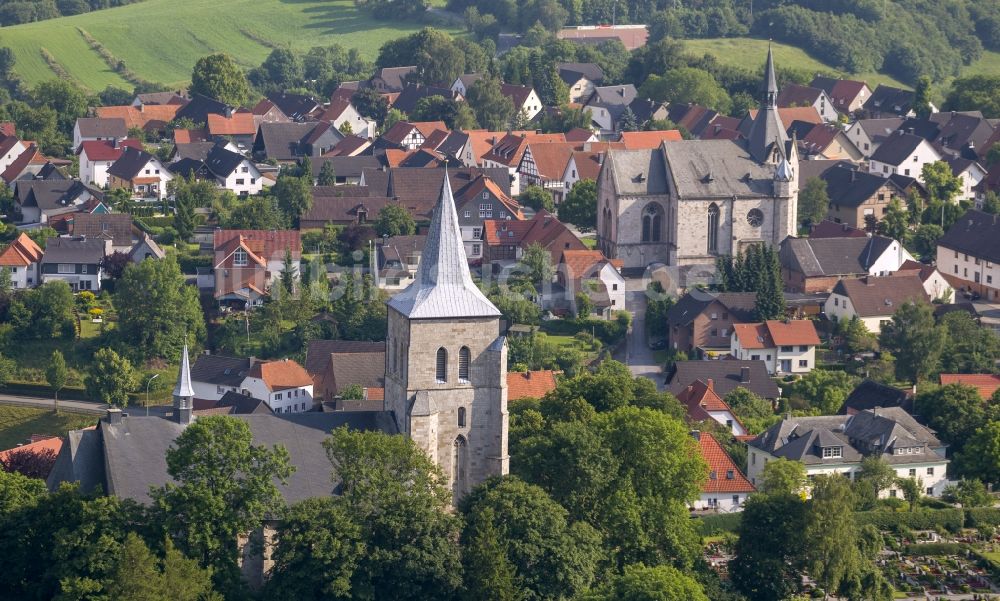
[319, 351]
[345, 166]
[114, 226]
[344, 208]
[798, 95]
[716, 169]
[810, 168]
[572, 72]
[394, 76]
[925, 128]
[608, 96]
[294, 106]
[187, 167]
[283, 141]
[725, 375]
[895, 148]
[220, 370]
[48, 194]
[869, 394]
[691, 305]
[134, 451]
[849, 187]
[96, 127]
[240, 404]
[222, 162]
[193, 150]
[888, 100]
[975, 233]
[364, 369]
[414, 92]
[879, 129]
[130, 163]
[814, 257]
[72, 250]
[199, 107]
[873, 296]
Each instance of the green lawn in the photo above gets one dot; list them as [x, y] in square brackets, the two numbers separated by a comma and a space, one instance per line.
[160, 40]
[17, 424]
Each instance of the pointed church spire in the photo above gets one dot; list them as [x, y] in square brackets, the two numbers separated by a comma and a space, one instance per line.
[184, 387]
[443, 286]
[771, 81]
[767, 128]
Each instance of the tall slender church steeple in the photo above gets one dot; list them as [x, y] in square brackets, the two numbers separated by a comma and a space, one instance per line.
[184, 391]
[767, 128]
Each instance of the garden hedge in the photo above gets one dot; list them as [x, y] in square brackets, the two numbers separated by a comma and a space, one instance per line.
[982, 516]
[935, 549]
[711, 525]
[921, 519]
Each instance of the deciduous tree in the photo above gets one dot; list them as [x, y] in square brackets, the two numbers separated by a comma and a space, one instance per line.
[394, 220]
[782, 477]
[110, 378]
[56, 374]
[218, 76]
[915, 339]
[813, 201]
[580, 205]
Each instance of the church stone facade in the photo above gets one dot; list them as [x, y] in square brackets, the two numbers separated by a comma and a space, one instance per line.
[446, 361]
[687, 202]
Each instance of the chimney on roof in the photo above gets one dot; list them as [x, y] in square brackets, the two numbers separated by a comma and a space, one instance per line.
[710, 384]
[744, 375]
[253, 360]
[114, 415]
[527, 375]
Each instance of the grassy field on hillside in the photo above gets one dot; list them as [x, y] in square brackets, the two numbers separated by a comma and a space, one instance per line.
[17, 424]
[160, 40]
[750, 53]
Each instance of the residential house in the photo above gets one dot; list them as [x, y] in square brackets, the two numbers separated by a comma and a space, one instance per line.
[590, 273]
[525, 99]
[506, 153]
[21, 259]
[348, 169]
[231, 403]
[504, 241]
[76, 261]
[248, 261]
[481, 200]
[266, 111]
[350, 146]
[702, 322]
[968, 255]
[39, 201]
[455, 146]
[871, 395]
[847, 95]
[233, 171]
[607, 103]
[648, 140]
[935, 285]
[200, 107]
[238, 127]
[413, 93]
[398, 258]
[544, 164]
[145, 248]
[631, 36]
[297, 107]
[530, 384]
[703, 403]
[97, 129]
[284, 385]
[963, 133]
[334, 365]
[213, 376]
[97, 156]
[287, 142]
[726, 376]
[11, 148]
[856, 195]
[970, 173]
[152, 119]
[411, 135]
[985, 384]
[792, 95]
[116, 227]
[582, 164]
[160, 98]
[580, 78]
[873, 300]
[329, 207]
[726, 489]
[418, 189]
[143, 174]
[837, 444]
[868, 134]
[888, 101]
[788, 116]
[817, 265]
[827, 141]
[392, 79]
[463, 82]
[342, 114]
[787, 347]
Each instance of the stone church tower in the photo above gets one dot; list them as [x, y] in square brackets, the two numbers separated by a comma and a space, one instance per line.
[446, 362]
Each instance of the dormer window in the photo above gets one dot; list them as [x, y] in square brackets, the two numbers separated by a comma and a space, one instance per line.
[832, 452]
[240, 258]
[712, 475]
[730, 474]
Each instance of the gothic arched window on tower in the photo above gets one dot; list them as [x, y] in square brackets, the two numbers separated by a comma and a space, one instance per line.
[441, 371]
[461, 417]
[463, 364]
[713, 228]
[459, 468]
[652, 222]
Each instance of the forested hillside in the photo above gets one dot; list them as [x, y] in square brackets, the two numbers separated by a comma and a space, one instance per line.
[903, 38]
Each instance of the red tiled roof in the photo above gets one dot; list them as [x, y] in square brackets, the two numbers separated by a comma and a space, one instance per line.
[773, 333]
[807, 114]
[426, 128]
[753, 335]
[518, 94]
[53, 444]
[266, 243]
[7, 129]
[649, 140]
[588, 164]
[240, 124]
[986, 384]
[187, 136]
[282, 374]
[508, 151]
[551, 158]
[820, 137]
[580, 263]
[374, 393]
[728, 477]
[140, 117]
[482, 182]
[530, 384]
[105, 150]
[22, 252]
[29, 156]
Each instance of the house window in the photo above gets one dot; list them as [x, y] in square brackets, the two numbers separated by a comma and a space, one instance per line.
[913, 472]
[476, 249]
[755, 357]
[253, 180]
[836, 302]
[803, 363]
[486, 195]
[83, 269]
[66, 268]
[906, 171]
[831, 452]
[464, 357]
[461, 417]
[466, 214]
[476, 231]
[614, 286]
[240, 181]
[713, 228]
[714, 316]
[989, 279]
[729, 423]
[441, 367]
[892, 493]
[730, 474]
[736, 499]
[803, 348]
[220, 390]
[245, 169]
[930, 471]
[277, 397]
[240, 258]
[786, 349]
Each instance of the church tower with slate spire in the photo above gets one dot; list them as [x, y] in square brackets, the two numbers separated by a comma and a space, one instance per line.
[446, 361]
[767, 138]
[184, 391]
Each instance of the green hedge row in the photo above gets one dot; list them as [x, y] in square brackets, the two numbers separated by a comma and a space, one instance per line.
[935, 549]
[921, 519]
[712, 525]
[982, 516]
[190, 264]
[609, 332]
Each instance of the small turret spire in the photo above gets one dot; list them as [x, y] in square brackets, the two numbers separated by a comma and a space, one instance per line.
[771, 81]
[184, 391]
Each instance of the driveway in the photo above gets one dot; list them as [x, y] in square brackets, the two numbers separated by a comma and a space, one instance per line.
[638, 356]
